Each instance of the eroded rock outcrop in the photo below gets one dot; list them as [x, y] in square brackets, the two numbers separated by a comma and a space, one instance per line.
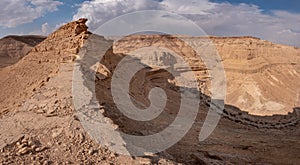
[262, 77]
[240, 136]
[41, 63]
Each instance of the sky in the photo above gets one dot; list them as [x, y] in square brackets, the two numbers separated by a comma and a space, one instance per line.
[277, 20]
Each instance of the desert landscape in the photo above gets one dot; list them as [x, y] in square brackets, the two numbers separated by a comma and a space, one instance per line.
[13, 48]
[260, 123]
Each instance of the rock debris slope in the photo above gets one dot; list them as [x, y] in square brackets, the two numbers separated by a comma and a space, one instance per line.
[37, 117]
[42, 62]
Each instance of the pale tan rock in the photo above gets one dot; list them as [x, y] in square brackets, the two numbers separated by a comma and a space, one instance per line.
[262, 78]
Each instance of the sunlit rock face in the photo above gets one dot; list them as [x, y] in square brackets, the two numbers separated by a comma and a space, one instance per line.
[262, 77]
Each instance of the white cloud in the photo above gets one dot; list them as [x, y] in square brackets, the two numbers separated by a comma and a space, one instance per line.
[237, 20]
[100, 11]
[46, 29]
[17, 12]
[188, 6]
[223, 19]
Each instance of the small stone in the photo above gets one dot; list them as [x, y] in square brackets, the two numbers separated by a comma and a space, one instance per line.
[91, 152]
[39, 111]
[145, 161]
[81, 137]
[102, 111]
[112, 155]
[24, 141]
[149, 153]
[75, 117]
[162, 161]
[51, 111]
[23, 151]
[50, 115]
[39, 149]
[30, 142]
[46, 162]
[34, 146]
[68, 162]
[22, 145]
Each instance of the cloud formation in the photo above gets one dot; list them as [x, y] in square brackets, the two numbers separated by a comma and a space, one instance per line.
[46, 29]
[100, 11]
[17, 12]
[222, 19]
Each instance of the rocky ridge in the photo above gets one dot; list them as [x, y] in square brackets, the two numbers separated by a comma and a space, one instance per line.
[38, 121]
[42, 62]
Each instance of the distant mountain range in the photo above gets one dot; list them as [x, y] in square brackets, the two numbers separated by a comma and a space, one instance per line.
[13, 48]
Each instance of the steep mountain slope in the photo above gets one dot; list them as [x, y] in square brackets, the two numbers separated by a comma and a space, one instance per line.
[39, 124]
[41, 63]
[13, 48]
[37, 117]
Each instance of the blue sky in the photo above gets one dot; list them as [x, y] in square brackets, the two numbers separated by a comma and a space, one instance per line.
[63, 14]
[276, 20]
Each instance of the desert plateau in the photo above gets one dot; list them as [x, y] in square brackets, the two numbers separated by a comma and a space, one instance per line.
[73, 96]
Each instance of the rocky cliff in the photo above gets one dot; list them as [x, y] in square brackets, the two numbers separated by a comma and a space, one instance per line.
[262, 77]
[241, 136]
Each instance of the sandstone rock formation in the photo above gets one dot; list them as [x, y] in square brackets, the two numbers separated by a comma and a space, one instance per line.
[262, 77]
[39, 123]
[41, 63]
[244, 144]
[37, 117]
[13, 48]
